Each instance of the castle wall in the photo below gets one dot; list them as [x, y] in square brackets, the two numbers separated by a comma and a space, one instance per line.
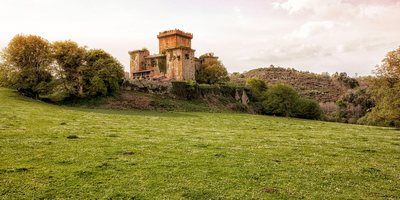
[180, 64]
[157, 65]
[137, 61]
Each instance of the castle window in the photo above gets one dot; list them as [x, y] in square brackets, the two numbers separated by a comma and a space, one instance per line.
[187, 56]
[179, 57]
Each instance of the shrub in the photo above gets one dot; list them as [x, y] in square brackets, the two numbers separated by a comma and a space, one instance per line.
[228, 90]
[280, 100]
[283, 100]
[206, 89]
[185, 89]
[308, 109]
[257, 87]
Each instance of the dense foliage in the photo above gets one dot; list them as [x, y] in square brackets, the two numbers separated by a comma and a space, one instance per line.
[257, 87]
[63, 69]
[283, 100]
[212, 72]
[385, 90]
[27, 65]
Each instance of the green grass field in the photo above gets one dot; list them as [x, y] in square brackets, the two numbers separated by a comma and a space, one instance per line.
[59, 152]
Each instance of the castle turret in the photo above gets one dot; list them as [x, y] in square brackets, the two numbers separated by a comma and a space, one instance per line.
[174, 39]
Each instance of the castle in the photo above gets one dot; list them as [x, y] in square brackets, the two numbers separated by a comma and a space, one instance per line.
[175, 61]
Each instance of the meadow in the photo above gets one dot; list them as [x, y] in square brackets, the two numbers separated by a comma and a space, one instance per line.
[64, 152]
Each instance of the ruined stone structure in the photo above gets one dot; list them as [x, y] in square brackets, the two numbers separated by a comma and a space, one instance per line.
[175, 61]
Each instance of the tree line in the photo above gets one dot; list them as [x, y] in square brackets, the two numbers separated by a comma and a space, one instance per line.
[376, 104]
[59, 70]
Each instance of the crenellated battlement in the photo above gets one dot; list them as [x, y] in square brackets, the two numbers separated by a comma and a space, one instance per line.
[174, 32]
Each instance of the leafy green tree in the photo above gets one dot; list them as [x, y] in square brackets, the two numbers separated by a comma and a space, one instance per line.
[27, 58]
[385, 90]
[102, 67]
[85, 73]
[70, 59]
[280, 100]
[257, 87]
[212, 72]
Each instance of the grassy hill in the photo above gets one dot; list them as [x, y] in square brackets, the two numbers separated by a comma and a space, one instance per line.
[59, 152]
[315, 86]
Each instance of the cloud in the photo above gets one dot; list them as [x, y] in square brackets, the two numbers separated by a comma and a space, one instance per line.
[326, 9]
[290, 52]
[312, 28]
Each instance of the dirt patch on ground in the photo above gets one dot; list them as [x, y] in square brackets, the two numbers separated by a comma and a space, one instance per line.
[127, 101]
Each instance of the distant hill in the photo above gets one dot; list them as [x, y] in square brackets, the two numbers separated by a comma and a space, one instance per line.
[322, 88]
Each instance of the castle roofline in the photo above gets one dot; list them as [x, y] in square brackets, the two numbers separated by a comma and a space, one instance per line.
[138, 51]
[175, 32]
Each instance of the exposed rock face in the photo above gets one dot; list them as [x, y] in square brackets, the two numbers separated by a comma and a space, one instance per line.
[245, 98]
[237, 96]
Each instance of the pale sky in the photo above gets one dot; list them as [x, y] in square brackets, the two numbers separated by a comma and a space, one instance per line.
[310, 35]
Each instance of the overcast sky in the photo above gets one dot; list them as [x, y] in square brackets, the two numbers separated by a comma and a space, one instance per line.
[311, 35]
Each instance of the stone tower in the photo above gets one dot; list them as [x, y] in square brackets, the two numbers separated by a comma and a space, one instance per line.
[174, 39]
[180, 63]
[138, 61]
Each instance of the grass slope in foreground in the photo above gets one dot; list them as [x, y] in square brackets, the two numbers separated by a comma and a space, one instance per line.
[148, 155]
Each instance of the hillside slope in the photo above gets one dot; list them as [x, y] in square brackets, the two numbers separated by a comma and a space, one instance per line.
[59, 152]
[318, 87]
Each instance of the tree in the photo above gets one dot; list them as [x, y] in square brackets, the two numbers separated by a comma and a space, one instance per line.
[257, 87]
[346, 80]
[385, 90]
[280, 100]
[27, 57]
[104, 71]
[84, 73]
[212, 72]
[70, 59]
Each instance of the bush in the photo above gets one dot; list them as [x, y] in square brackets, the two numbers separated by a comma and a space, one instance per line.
[372, 120]
[228, 90]
[308, 109]
[185, 89]
[283, 100]
[206, 89]
[280, 100]
[257, 87]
